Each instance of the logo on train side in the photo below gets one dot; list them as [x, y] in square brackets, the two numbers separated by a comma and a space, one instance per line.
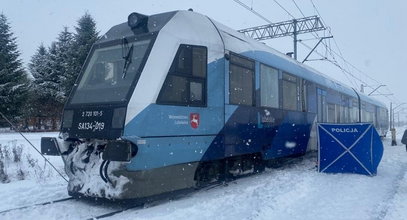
[194, 120]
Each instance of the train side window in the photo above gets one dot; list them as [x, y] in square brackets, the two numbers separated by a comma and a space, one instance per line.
[290, 92]
[268, 86]
[321, 105]
[186, 80]
[331, 113]
[344, 109]
[241, 81]
[355, 111]
[302, 94]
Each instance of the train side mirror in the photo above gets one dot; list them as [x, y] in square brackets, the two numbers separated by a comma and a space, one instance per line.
[49, 146]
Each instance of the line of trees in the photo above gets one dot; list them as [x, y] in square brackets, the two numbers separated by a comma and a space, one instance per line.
[34, 97]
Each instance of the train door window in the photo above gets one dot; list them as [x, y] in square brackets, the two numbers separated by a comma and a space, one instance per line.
[311, 102]
[342, 114]
[337, 114]
[321, 105]
[364, 115]
[290, 92]
[268, 86]
[241, 81]
[344, 109]
[345, 114]
[186, 80]
[376, 116]
[302, 94]
[331, 113]
[355, 111]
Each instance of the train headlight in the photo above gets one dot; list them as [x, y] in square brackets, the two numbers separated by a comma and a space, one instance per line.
[136, 20]
[67, 119]
[119, 114]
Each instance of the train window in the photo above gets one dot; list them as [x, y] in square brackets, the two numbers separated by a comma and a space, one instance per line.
[344, 109]
[199, 62]
[321, 103]
[290, 92]
[186, 81]
[243, 62]
[302, 95]
[338, 114]
[268, 86]
[175, 89]
[103, 80]
[196, 91]
[311, 99]
[355, 111]
[364, 115]
[331, 113]
[241, 78]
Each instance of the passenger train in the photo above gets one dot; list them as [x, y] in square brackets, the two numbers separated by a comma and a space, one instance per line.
[177, 100]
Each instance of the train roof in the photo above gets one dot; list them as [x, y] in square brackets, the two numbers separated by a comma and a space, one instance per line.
[264, 53]
[154, 23]
[253, 49]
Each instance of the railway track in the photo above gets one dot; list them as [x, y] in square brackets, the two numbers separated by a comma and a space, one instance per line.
[104, 208]
[37, 204]
[63, 207]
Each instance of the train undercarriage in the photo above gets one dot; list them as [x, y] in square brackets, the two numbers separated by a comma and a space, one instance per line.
[90, 175]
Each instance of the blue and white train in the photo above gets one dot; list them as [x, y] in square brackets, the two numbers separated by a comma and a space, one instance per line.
[177, 100]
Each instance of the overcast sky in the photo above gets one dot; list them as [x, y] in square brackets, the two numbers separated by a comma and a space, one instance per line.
[370, 33]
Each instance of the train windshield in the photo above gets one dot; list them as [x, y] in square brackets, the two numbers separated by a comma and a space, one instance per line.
[110, 73]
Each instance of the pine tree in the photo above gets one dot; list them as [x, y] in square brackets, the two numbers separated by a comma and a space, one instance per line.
[49, 69]
[51, 84]
[61, 63]
[38, 98]
[38, 65]
[86, 35]
[13, 78]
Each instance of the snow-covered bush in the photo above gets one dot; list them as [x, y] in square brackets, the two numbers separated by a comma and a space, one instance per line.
[17, 164]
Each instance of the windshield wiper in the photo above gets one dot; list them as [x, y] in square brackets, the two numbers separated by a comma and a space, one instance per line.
[127, 61]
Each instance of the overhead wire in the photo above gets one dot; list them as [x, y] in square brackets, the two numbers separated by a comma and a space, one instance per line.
[335, 62]
[333, 53]
[253, 11]
[282, 7]
[328, 48]
[330, 51]
[353, 83]
[299, 9]
[341, 54]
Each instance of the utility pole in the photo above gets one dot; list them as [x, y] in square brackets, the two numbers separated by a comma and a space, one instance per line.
[285, 28]
[390, 119]
[393, 129]
[295, 38]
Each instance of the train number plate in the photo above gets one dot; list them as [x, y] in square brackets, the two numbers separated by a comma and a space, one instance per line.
[92, 126]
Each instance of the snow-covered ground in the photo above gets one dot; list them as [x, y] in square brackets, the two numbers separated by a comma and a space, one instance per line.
[295, 191]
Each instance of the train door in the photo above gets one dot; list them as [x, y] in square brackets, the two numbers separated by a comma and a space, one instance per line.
[321, 105]
[240, 111]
